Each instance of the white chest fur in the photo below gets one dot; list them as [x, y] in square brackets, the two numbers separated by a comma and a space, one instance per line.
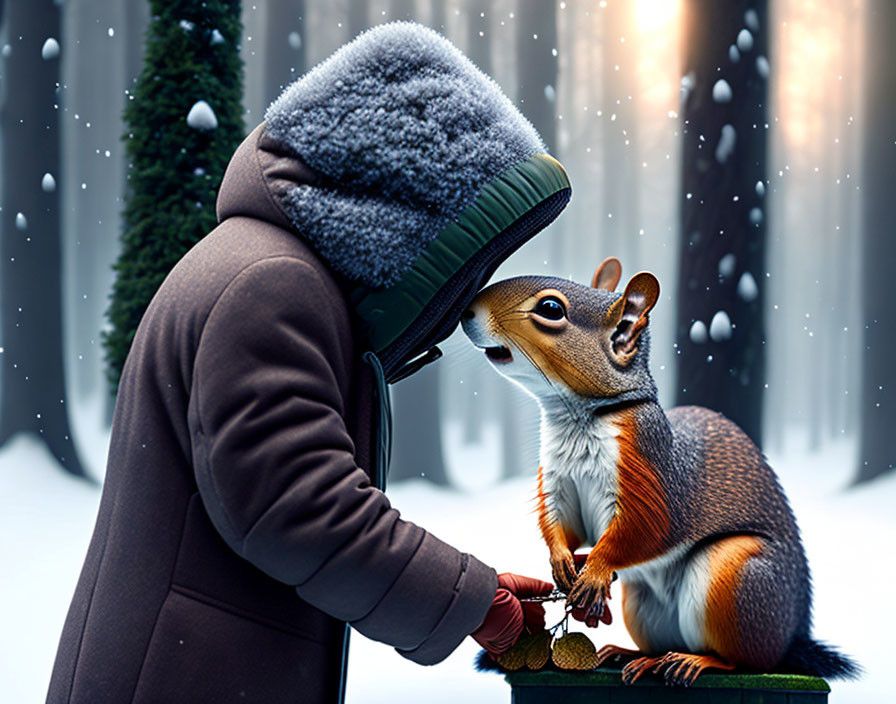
[579, 470]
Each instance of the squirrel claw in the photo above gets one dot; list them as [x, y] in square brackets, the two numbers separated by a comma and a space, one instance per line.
[678, 669]
[596, 611]
[637, 667]
[564, 571]
[615, 654]
[589, 594]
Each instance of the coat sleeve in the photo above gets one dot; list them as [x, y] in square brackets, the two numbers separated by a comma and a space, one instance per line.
[275, 468]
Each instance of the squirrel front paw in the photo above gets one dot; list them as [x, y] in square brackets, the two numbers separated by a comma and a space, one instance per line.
[590, 592]
[563, 568]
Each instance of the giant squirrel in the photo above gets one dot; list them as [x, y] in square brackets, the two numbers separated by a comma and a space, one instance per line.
[682, 505]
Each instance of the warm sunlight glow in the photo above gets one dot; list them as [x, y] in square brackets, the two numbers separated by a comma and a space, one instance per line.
[655, 14]
[658, 23]
[818, 47]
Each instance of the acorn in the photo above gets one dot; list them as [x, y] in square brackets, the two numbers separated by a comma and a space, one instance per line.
[513, 658]
[538, 651]
[574, 651]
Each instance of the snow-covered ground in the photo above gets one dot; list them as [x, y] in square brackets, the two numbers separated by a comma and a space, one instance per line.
[46, 520]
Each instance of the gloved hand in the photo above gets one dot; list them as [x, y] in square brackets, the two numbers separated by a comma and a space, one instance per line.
[508, 618]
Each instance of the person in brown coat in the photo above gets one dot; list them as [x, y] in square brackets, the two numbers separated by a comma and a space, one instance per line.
[243, 522]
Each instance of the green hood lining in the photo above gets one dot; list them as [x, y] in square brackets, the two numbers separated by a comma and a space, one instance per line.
[386, 313]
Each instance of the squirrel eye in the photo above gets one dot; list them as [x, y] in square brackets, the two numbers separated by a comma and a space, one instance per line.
[550, 308]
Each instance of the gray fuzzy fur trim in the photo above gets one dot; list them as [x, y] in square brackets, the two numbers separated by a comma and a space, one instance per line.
[403, 131]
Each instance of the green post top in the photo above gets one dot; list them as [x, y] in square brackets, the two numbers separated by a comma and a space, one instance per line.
[604, 686]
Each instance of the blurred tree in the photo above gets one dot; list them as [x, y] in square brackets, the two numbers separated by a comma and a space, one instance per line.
[184, 124]
[284, 45]
[416, 402]
[417, 449]
[479, 50]
[358, 20]
[94, 76]
[877, 452]
[479, 45]
[402, 10]
[536, 51]
[721, 363]
[619, 222]
[437, 16]
[536, 66]
[33, 383]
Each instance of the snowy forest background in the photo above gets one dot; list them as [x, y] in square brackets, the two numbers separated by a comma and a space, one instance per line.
[782, 320]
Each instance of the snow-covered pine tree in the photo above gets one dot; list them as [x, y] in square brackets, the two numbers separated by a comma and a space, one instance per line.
[183, 122]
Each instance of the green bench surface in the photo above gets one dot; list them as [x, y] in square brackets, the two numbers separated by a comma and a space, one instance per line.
[604, 686]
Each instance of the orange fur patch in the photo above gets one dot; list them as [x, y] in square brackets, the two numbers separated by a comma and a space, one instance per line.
[726, 560]
[640, 529]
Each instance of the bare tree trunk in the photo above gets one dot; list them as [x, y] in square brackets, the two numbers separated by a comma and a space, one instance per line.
[357, 17]
[33, 392]
[877, 450]
[417, 431]
[850, 236]
[437, 16]
[519, 436]
[619, 221]
[416, 413]
[479, 52]
[536, 52]
[537, 66]
[136, 20]
[479, 41]
[284, 45]
[95, 77]
[402, 9]
[721, 213]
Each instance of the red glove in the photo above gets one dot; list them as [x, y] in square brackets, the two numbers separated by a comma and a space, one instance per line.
[508, 617]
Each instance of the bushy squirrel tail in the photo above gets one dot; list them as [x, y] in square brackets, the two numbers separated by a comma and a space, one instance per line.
[811, 657]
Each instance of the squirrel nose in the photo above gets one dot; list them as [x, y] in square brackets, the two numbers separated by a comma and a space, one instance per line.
[468, 314]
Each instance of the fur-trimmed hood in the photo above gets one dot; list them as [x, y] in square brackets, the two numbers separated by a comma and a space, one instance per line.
[410, 174]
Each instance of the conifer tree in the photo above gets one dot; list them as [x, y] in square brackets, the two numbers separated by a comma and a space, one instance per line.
[183, 123]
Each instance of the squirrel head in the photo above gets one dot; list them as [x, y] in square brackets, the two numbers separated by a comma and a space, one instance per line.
[558, 338]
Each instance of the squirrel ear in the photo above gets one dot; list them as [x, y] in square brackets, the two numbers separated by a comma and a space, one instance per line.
[628, 315]
[607, 275]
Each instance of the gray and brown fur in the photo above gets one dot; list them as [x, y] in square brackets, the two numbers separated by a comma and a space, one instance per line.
[682, 505]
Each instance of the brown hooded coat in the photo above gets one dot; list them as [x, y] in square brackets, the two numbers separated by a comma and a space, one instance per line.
[240, 526]
[237, 478]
